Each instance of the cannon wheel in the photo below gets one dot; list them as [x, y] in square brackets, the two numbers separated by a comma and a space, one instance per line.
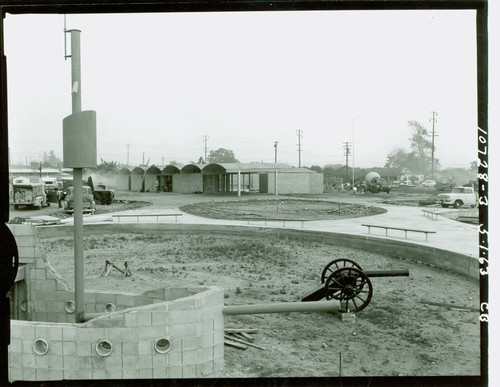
[335, 265]
[351, 285]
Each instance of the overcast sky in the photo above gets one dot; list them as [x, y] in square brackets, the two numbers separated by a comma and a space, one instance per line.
[160, 82]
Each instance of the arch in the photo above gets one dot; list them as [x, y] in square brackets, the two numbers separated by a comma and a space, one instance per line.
[170, 170]
[137, 171]
[153, 170]
[192, 168]
[125, 171]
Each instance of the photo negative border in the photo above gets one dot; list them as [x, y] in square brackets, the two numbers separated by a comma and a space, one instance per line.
[141, 6]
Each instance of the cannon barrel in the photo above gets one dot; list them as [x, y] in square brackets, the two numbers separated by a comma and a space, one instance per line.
[282, 307]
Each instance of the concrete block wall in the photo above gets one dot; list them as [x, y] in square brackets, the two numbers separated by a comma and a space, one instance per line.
[187, 183]
[166, 333]
[295, 183]
[183, 338]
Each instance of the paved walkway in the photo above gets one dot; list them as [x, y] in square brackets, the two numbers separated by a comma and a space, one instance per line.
[450, 234]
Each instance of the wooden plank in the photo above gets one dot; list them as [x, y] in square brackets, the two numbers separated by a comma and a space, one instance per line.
[243, 342]
[235, 344]
[238, 330]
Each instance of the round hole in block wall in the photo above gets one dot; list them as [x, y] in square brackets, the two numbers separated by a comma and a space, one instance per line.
[69, 306]
[40, 346]
[104, 348]
[162, 345]
[23, 306]
[108, 308]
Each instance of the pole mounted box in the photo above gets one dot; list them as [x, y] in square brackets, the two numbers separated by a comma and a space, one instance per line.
[79, 140]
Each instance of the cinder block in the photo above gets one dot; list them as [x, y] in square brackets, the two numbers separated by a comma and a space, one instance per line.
[151, 332]
[207, 326]
[189, 343]
[90, 308]
[219, 350]
[219, 364]
[69, 362]
[55, 361]
[84, 348]
[182, 330]
[189, 371]
[144, 319]
[205, 369]
[29, 374]
[45, 285]
[129, 348]
[174, 358]
[145, 373]
[162, 373]
[60, 317]
[84, 374]
[56, 374]
[15, 329]
[160, 360]
[25, 241]
[115, 374]
[15, 374]
[189, 357]
[129, 361]
[206, 340]
[145, 347]
[182, 316]
[121, 334]
[204, 354]
[187, 304]
[141, 301]
[214, 298]
[159, 318]
[98, 362]
[55, 347]
[69, 333]
[69, 348]
[28, 332]
[130, 319]
[130, 374]
[89, 334]
[114, 361]
[219, 323]
[98, 374]
[39, 274]
[218, 336]
[41, 306]
[104, 298]
[16, 345]
[145, 361]
[69, 374]
[28, 346]
[15, 359]
[42, 361]
[42, 331]
[174, 372]
[29, 360]
[124, 300]
[26, 254]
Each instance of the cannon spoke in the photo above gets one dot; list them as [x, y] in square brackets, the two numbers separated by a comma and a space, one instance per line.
[349, 284]
[335, 265]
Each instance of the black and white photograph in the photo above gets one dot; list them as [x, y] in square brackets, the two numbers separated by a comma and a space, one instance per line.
[245, 193]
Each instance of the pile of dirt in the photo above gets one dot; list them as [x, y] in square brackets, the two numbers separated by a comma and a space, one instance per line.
[287, 209]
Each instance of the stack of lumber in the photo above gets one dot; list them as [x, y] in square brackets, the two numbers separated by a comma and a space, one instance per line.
[240, 338]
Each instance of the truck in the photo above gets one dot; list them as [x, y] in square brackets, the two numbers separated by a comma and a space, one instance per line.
[374, 183]
[88, 200]
[101, 193]
[29, 195]
[458, 197]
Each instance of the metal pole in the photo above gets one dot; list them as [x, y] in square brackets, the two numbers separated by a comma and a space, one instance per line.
[77, 182]
[282, 307]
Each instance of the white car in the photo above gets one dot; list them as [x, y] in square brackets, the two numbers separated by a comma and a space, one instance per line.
[406, 183]
[429, 183]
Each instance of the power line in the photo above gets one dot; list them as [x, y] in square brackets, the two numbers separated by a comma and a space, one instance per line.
[205, 139]
[433, 119]
[347, 149]
[275, 152]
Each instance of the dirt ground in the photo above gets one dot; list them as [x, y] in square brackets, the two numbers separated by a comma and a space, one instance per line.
[424, 324]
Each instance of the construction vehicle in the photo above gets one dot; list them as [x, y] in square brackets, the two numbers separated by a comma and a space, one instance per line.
[374, 183]
[29, 195]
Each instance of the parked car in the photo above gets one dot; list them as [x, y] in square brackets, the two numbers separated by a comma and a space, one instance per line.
[88, 200]
[429, 183]
[459, 196]
[406, 183]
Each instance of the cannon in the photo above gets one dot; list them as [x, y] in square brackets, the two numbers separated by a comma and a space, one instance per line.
[345, 281]
[342, 280]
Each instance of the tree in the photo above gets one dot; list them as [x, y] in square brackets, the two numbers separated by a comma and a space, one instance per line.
[106, 166]
[419, 159]
[316, 168]
[51, 160]
[221, 155]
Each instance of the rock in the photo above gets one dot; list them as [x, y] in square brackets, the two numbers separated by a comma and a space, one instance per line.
[324, 345]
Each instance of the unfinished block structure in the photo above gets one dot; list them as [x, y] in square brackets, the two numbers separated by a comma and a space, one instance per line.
[168, 333]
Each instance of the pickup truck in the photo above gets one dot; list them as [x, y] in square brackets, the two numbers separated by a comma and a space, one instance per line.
[459, 196]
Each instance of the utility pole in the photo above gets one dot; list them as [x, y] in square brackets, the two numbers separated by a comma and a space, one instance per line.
[299, 135]
[347, 149]
[205, 139]
[142, 158]
[128, 154]
[433, 119]
[353, 151]
[275, 152]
